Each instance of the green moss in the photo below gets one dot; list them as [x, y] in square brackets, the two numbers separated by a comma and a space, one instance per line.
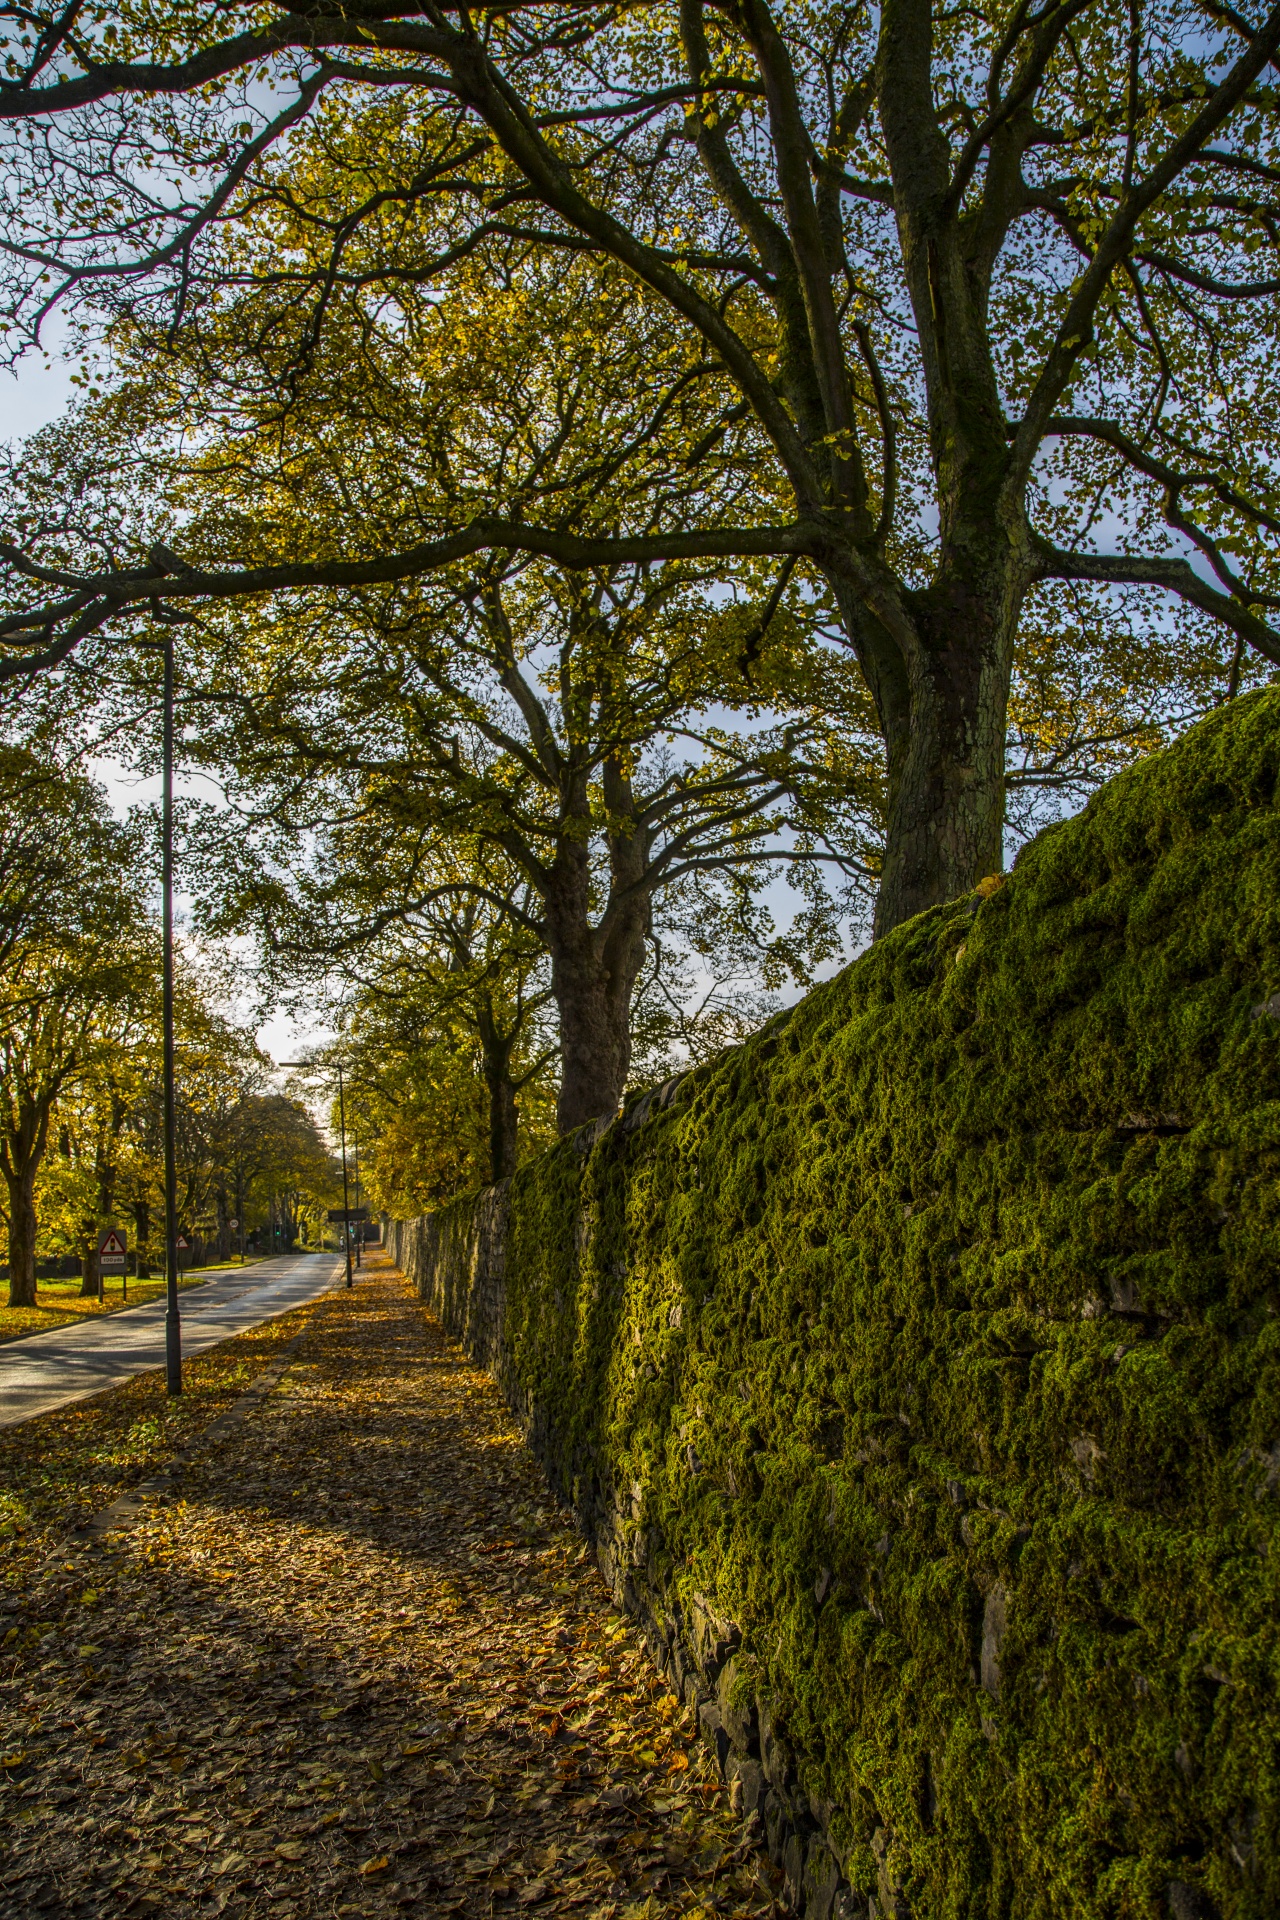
[931, 1338]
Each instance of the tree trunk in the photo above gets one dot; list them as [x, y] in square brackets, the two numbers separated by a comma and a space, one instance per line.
[943, 713]
[945, 829]
[593, 977]
[105, 1178]
[595, 1046]
[22, 1148]
[503, 1124]
[22, 1233]
[496, 1048]
[594, 969]
[89, 1270]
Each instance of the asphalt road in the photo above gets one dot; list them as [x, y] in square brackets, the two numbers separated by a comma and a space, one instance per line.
[44, 1370]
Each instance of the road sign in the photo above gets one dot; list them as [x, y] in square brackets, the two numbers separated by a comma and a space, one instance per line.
[338, 1214]
[233, 1224]
[112, 1249]
[181, 1244]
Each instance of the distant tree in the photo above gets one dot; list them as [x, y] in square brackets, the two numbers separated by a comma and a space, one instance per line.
[77, 960]
[98, 1158]
[569, 729]
[452, 1004]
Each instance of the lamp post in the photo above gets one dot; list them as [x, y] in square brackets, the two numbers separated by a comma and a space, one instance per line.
[346, 1210]
[172, 1318]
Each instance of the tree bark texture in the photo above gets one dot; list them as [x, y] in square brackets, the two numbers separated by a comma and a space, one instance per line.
[496, 1048]
[945, 825]
[503, 1123]
[89, 1270]
[22, 1234]
[593, 975]
[21, 1151]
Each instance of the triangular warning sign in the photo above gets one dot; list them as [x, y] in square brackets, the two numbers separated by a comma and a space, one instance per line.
[181, 1244]
[112, 1243]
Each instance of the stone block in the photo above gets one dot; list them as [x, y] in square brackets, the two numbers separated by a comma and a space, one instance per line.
[737, 1711]
[750, 1776]
[713, 1639]
[775, 1755]
[822, 1878]
[712, 1728]
[995, 1614]
[777, 1826]
[792, 1864]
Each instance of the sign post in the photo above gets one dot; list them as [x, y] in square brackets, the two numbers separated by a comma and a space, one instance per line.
[112, 1258]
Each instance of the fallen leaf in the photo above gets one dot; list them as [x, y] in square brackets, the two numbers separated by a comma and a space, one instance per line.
[491, 1662]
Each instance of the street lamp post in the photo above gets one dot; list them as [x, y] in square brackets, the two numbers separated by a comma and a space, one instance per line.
[172, 1318]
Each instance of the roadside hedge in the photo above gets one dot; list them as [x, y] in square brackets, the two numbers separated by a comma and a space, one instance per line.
[916, 1369]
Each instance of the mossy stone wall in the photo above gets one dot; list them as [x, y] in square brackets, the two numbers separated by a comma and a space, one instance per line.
[916, 1369]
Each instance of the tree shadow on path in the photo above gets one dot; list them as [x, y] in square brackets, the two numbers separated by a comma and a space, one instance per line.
[358, 1664]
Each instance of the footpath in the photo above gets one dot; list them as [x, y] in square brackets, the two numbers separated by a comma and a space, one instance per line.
[41, 1371]
[350, 1660]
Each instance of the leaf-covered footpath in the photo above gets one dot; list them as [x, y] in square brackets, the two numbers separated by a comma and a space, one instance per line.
[356, 1663]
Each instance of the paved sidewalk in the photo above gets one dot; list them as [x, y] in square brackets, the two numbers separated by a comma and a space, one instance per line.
[41, 1371]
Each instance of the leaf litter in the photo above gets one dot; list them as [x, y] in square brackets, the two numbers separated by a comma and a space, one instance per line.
[358, 1663]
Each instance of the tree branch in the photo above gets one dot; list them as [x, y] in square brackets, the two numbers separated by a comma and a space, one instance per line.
[1173, 575]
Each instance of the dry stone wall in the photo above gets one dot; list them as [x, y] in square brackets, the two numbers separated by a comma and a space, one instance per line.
[915, 1371]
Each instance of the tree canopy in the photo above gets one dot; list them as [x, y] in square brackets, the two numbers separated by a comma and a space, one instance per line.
[992, 293]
